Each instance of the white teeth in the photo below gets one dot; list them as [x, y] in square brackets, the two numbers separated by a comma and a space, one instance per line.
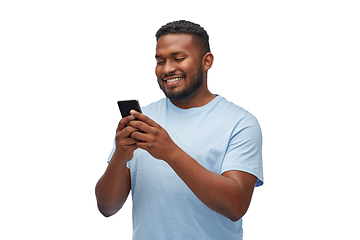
[173, 80]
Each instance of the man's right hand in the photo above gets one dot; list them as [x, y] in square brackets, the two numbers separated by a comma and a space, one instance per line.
[114, 186]
[125, 145]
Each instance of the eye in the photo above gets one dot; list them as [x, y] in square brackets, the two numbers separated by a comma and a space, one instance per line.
[160, 62]
[179, 59]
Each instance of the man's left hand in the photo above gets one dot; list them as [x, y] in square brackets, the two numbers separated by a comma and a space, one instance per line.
[152, 137]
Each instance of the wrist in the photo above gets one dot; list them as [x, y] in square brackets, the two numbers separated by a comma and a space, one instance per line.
[119, 157]
[176, 156]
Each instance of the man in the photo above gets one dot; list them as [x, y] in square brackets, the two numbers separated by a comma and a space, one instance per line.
[192, 159]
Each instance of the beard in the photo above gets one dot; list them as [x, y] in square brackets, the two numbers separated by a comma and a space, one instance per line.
[195, 84]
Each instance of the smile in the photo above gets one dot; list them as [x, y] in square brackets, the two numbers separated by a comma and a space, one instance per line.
[172, 79]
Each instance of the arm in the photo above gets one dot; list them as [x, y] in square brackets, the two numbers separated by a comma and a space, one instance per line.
[228, 194]
[114, 186]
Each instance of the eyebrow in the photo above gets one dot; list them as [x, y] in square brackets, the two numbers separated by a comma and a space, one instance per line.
[171, 54]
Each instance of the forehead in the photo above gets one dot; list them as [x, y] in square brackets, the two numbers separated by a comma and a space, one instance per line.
[171, 43]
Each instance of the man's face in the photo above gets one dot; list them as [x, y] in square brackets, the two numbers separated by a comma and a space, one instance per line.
[179, 66]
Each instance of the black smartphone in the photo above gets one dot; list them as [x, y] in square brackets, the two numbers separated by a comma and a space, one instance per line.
[127, 105]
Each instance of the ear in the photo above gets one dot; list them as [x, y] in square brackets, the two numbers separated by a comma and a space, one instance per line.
[207, 61]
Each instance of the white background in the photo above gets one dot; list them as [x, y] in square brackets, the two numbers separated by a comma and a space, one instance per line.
[64, 64]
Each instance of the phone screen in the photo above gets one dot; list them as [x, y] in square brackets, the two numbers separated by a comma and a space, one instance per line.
[127, 105]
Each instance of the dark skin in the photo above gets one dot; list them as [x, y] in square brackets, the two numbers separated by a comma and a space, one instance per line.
[177, 56]
[228, 194]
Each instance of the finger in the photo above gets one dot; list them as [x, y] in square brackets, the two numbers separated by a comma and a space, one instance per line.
[128, 148]
[123, 122]
[126, 132]
[143, 118]
[140, 137]
[129, 141]
[141, 126]
[144, 145]
[124, 141]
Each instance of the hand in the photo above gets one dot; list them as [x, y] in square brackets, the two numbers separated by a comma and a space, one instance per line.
[125, 145]
[152, 137]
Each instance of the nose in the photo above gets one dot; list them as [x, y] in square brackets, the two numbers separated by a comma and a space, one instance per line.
[169, 68]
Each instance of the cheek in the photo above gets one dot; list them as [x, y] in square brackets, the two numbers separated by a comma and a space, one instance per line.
[157, 71]
[189, 66]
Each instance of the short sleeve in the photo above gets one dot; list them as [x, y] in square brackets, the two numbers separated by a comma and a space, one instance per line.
[244, 152]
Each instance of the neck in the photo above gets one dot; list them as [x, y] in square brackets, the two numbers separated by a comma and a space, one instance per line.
[198, 99]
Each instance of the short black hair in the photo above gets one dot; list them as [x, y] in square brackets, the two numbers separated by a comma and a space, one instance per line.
[200, 36]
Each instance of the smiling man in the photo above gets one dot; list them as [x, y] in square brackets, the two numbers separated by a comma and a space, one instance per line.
[180, 69]
[192, 159]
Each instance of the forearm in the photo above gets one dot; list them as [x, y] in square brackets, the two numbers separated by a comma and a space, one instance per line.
[113, 188]
[222, 194]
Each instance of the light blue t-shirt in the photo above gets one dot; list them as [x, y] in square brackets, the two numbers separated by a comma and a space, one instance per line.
[221, 137]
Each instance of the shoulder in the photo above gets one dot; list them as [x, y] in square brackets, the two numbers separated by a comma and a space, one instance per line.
[230, 109]
[241, 120]
[155, 106]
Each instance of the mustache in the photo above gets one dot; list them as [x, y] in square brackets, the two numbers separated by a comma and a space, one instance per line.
[165, 75]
